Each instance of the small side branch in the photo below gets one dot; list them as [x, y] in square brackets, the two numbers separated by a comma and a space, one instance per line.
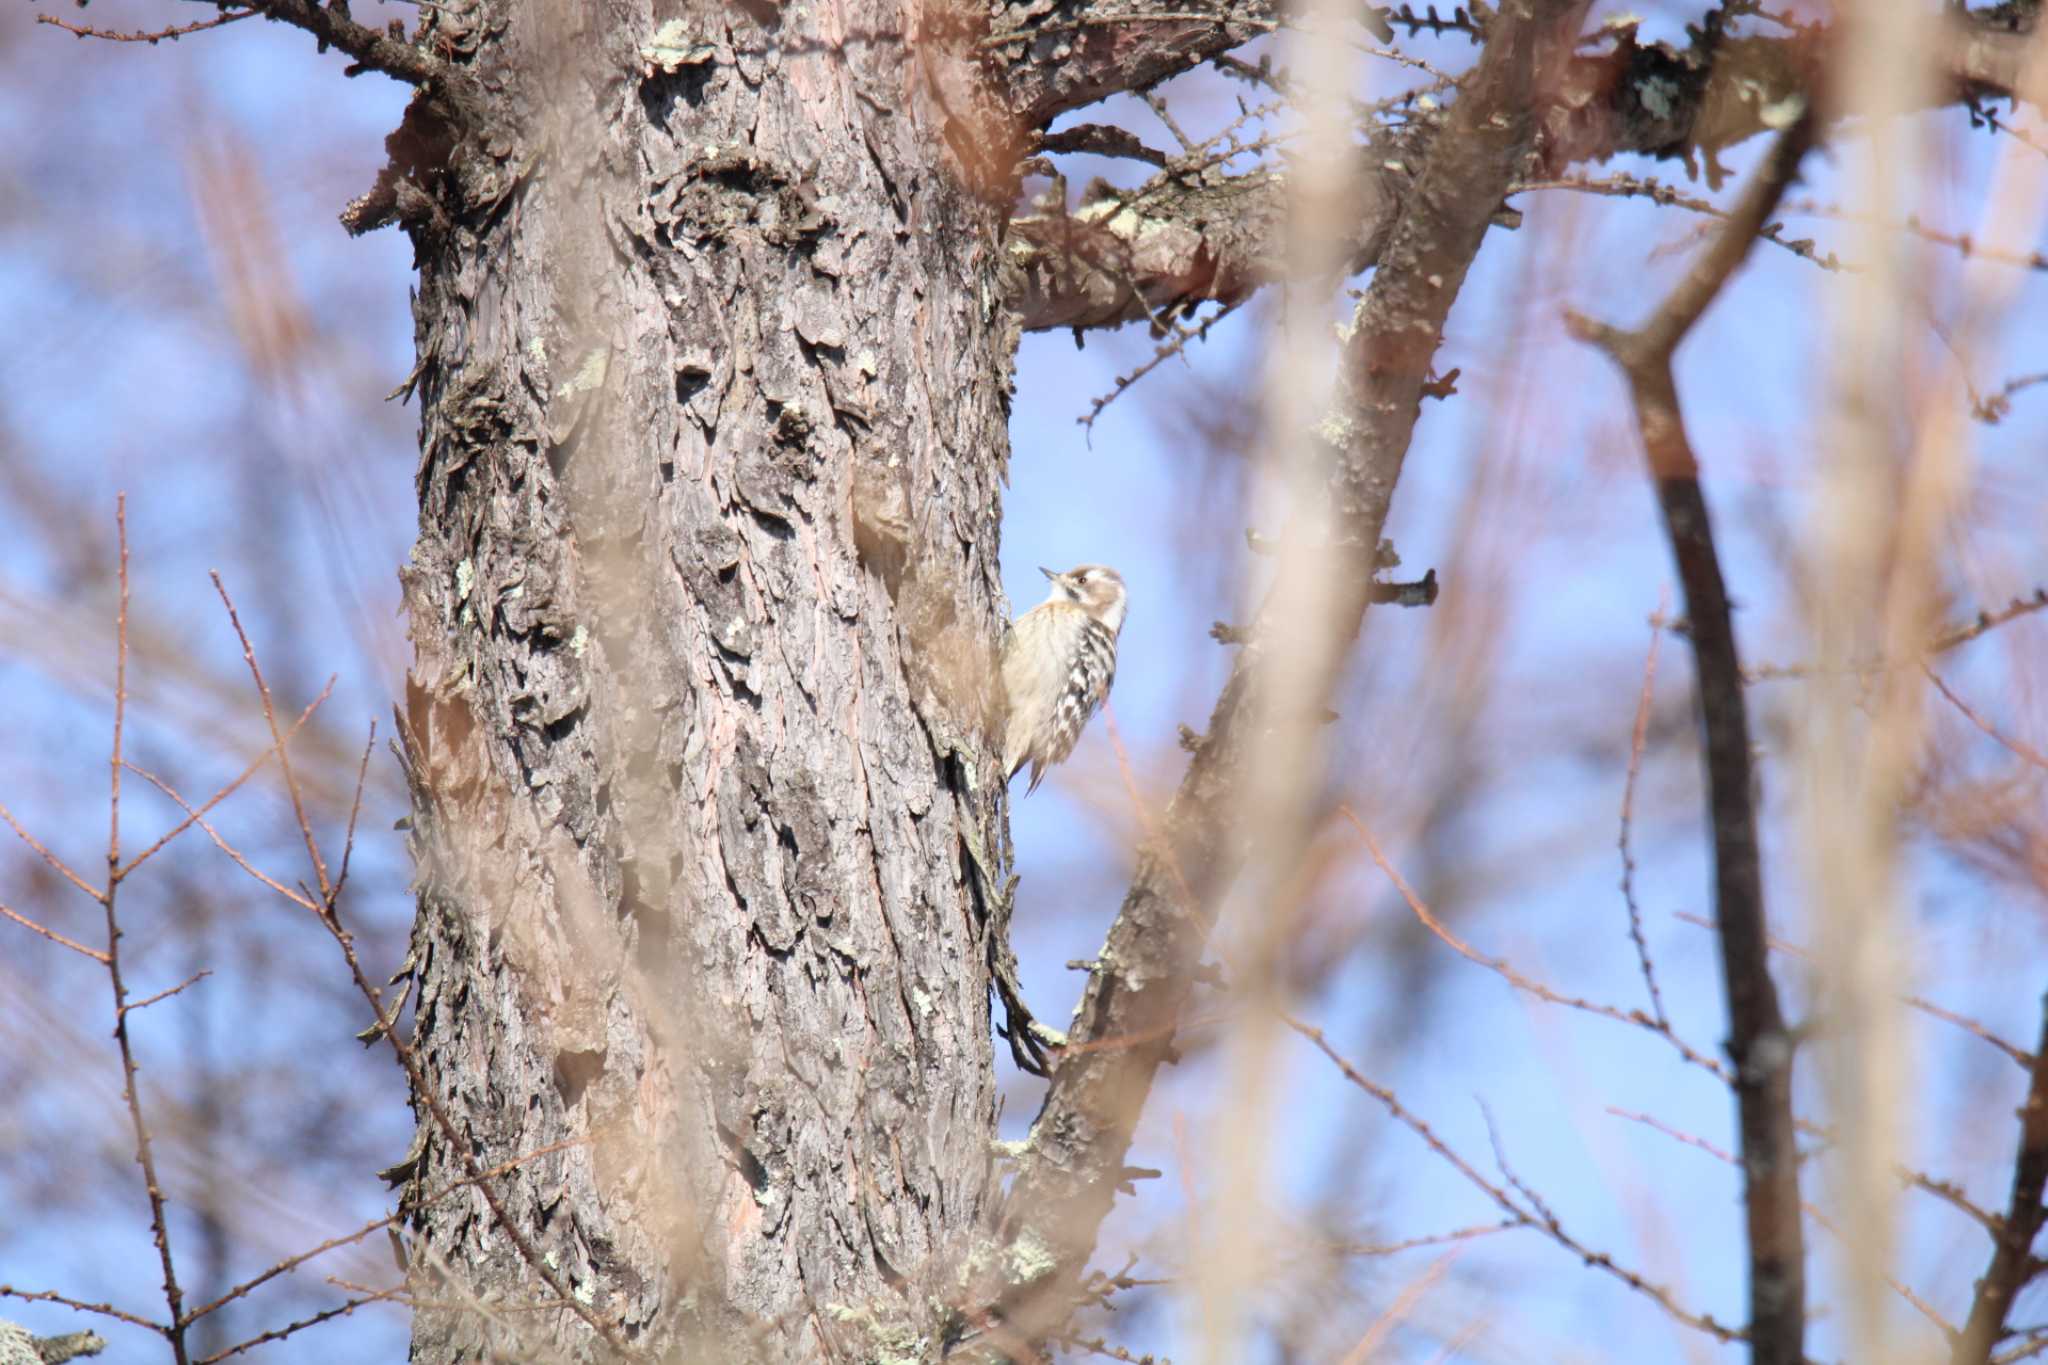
[2013, 1265]
[1759, 1044]
[373, 49]
[151, 36]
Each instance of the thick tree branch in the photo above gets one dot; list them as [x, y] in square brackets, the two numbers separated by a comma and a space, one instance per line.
[1759, 1044]
[374, 49]
[2013, 1266]
[1182, 239]
[1197, 233]
[1073, 1161]
[1062, 56]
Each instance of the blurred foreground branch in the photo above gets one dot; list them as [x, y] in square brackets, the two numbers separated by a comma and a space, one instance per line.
[1198, 232]
[1073, 1160]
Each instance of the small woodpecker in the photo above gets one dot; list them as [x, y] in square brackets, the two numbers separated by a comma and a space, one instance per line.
[1059, 659]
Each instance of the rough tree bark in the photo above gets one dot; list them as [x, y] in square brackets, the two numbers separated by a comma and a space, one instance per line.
[717, 310]
[714, 386]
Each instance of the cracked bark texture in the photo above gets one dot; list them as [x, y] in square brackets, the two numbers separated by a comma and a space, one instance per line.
[714, 390]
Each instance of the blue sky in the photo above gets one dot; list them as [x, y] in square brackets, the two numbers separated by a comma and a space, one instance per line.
[1483, 739]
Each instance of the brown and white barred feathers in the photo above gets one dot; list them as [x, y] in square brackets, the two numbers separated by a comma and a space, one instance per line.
[1058, 662]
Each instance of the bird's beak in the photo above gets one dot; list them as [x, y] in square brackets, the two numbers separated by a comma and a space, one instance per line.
[1049, 573]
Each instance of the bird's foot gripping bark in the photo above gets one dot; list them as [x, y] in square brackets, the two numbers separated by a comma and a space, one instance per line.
[1030, 1041]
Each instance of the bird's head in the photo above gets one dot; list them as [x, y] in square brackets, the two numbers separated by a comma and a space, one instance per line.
[1095, 588]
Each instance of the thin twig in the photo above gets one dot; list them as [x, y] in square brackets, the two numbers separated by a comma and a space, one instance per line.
[291, 1263]
[1507, 972]
[1521, 1217]
[1188, 146]
[1964, 244]
[1991, 409]
[150, 36]
[145, 1153]
[62, 868]
[51, 934]
[1376, 1332]
[225, 792]
[280, 1333]
[144, 1003]
[1624, 185]
[1983, 623]
[355, 810]
[1949, 1193]
[1181, 337]
[328, 914]
[1430, 1239]
[277, 740]
[1813, 1211]
[239, 859]
[2020, 1056]
[1223, 19]
[2019, 747]
[105, 1310]
[1638, 735]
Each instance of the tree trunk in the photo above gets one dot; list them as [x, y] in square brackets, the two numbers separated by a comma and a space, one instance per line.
[714, 377]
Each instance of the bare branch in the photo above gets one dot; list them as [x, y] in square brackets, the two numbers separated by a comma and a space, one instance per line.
[2019, 747]
[1520, 981]
[277, 741]
[1542, 1218]
[2013, 1265]
[1625, 186]
[1813, 1211]
[1983, 623]
[147, 1001]
[373, 48]
[1992, 408]
[1759, 1043]
[1964, 245]
[105, 1310]
[234, 854]
[2021, 1057]
[291, 1263]
[195, 812]
[291, 1328]
[1197, 234]
[1431, 1239]
[131, 1093]
[62, 868]
[51, 934]
[327, 912]
[150, 36]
